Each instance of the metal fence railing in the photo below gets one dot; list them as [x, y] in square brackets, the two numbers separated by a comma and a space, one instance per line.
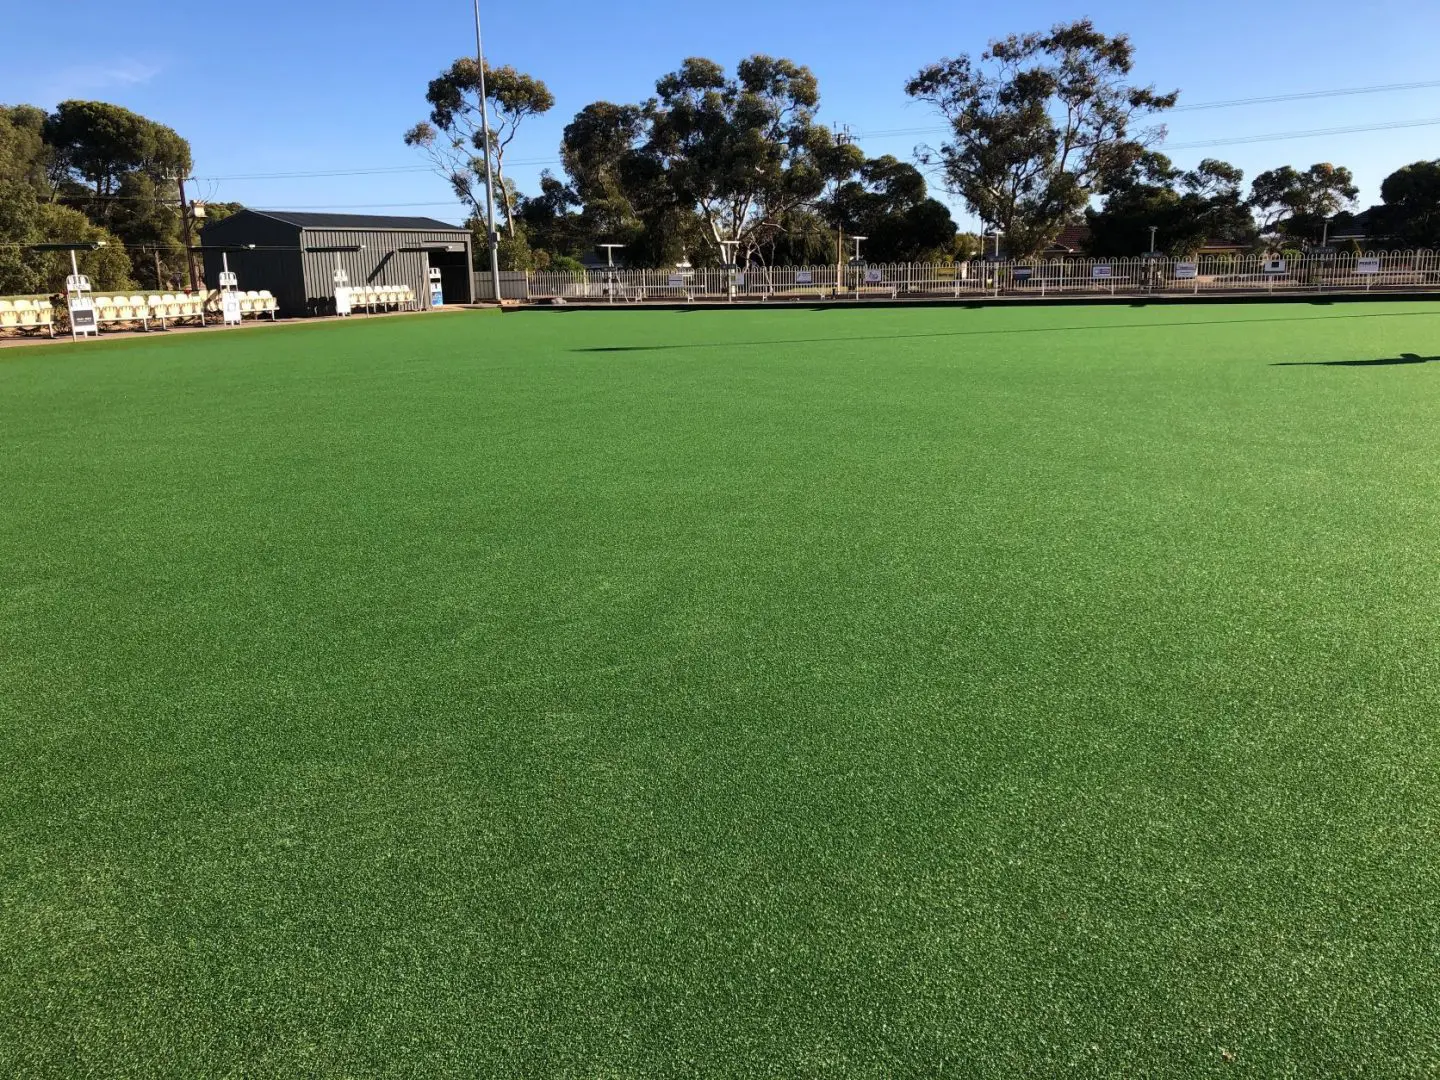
[1214, 273]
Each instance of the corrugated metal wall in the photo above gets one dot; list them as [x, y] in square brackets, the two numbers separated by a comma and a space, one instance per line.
[381, 262]
[273, 265]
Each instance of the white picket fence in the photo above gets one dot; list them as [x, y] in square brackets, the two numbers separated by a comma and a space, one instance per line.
[1244, 274]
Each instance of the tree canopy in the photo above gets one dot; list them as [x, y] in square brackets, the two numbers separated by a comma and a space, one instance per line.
[1411, 209]
[30, 214]
[91, 172]
[1039, 124]
[716, 166]
[1292, 206]
[1186, 208]
[454, 136]
[888, 203]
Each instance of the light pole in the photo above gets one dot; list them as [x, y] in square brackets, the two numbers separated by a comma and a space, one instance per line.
[997, 232]
[855, 262]
[492, 237]
[728, 254]
[610, 269]
[1153, 230]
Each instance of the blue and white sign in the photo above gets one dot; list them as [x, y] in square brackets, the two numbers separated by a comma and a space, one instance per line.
[1187, 271]
[803, 277]
[1367, 266]
[1102, 273]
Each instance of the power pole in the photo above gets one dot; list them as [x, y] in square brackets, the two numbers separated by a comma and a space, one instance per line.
[493, 237]
[185, 224]
[843, 137]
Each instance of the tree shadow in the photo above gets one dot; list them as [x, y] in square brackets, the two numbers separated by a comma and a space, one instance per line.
[1384, 361]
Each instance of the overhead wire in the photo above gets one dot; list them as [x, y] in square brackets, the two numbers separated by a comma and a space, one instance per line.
[1267, 99]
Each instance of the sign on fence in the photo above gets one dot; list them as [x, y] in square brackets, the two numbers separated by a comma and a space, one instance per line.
[1022, 273]
[1102, 273]
[1367, 266]
[1186, 271]
[1273, 266]
[803, 277]
[740, 278]
[945, 272]
[677, 281]
[874, 277]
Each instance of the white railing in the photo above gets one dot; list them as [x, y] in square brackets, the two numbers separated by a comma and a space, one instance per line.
[1216, 273]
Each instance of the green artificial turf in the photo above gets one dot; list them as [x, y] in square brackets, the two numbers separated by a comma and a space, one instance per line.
[861, 693]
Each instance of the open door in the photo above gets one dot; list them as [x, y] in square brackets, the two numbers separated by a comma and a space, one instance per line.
[454, 267]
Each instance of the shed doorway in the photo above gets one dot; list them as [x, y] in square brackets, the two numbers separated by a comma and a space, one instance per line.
[454, 267]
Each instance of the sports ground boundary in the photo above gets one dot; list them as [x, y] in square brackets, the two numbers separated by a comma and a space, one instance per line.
[844, 303]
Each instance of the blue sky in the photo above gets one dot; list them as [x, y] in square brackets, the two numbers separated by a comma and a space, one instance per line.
[318, 85]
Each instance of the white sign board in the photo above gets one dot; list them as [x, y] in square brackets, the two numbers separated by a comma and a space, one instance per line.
[1274, 266]
[1187, 271]
[677, 281]
[342, 300]
[740, 278]
[82, 316]
[874, 277]
[230, 308]
[803, 277]
[1101, 273]
[1367, 266]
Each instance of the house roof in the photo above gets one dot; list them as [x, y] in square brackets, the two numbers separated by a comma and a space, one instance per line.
[1071, 238]
[307, 220]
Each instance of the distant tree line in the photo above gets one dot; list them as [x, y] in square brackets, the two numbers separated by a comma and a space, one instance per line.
[1046, 130]
[90, 172]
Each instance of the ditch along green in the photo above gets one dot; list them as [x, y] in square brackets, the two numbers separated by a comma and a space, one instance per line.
[796, 693]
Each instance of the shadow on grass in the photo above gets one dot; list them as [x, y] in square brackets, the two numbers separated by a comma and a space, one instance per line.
[1006, 333]
[1384, 361]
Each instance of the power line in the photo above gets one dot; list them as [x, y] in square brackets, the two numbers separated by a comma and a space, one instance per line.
[1281, 136]
[1304, 95]
[377, 171]
[885, 133]
[1307, 95]
[1278, 136]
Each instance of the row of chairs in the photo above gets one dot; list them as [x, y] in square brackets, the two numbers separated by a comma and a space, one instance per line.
[382, 297]
[26, 316]
[144, 308]
[255, 303]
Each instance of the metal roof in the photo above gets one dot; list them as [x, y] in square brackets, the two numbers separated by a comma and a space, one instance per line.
[359, 221]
